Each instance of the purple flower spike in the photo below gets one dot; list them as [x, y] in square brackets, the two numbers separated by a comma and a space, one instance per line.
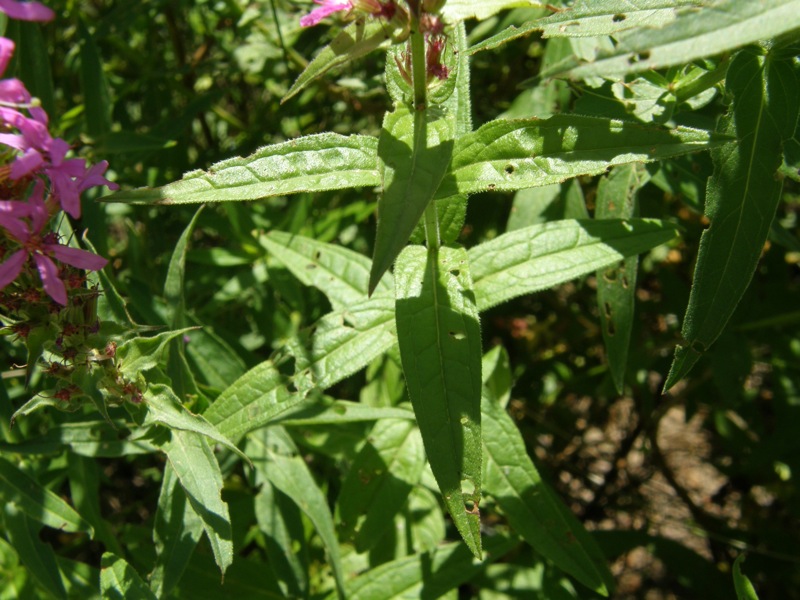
[327, 8]
[26, 11]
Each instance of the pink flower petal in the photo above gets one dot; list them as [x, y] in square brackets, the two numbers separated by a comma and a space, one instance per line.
[52, 284]
[327, 8]
[26, 11]
[6, 50]
[11, 214]
[82, 259]
[11, 269]
[25, 164]
[94, 177]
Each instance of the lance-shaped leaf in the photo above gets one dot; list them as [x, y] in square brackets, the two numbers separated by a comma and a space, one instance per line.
[591, 18]
[356, 40]
[616, 285]
[176, 532]
[522, 153]
[426, 575]
[741, 198]
[315, 163]
[744, 587]
[379, 481]
[39, 503]
[414, 148]
[340, 412]
[542, 256]
[460, 10]
[85, 438]
[165, 408]
[718, 27]
[342, 343]
[200, 477]
[251, 401]
[274, 455]
[341, 274]
[440, 346]
[143, 353]
[531, 508]
[38, 557]
[120, 581]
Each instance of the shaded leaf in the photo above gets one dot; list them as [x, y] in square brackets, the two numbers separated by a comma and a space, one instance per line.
[119, 580]
[379, 481]
[39, 558]
[616, 284]
[38, 503]
[741, 198]
[440, 346]
[414, 148]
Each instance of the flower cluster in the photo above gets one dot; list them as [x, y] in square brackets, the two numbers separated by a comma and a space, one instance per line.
[37, 181]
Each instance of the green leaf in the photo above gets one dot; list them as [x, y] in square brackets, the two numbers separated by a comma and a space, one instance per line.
[461, 10]
[176, 532]
[553, 202]
[252, 401]
[199, 475]
[426, 575]
[741, 198]
[542, 256]
[342, 343]
[340, 412]
[84, 487]
[616, 285]
[290, 475]
[37, 502]
[315, 163]
[440, 346]
[719, 27]
[39, 558]
[414, 149]
[591, 18]
[173, 285]
[96, 95]
[356, 40]
[39, 401]
[744, 588]
[522, 153]
[31, 61]
[164, 408]
[120, 581]
[379, 481]
[85, 438]
[281, 522]
[532, 509]
[341, 274]
[143, 353]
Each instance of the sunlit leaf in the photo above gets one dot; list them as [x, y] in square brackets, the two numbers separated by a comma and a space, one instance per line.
[310, 164]
[522, 153]
[542, 256]
[120, 581]
[198, 472]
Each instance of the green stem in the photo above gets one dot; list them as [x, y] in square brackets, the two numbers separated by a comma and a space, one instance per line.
[419, 73]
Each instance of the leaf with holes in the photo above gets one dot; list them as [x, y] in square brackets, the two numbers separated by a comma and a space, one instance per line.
[741, 198]
[440, 346]
[542, 256]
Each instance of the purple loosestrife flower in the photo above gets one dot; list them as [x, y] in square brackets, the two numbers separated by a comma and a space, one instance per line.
[26, 11]
[376, 8]
[326, 8]
[24, 223]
